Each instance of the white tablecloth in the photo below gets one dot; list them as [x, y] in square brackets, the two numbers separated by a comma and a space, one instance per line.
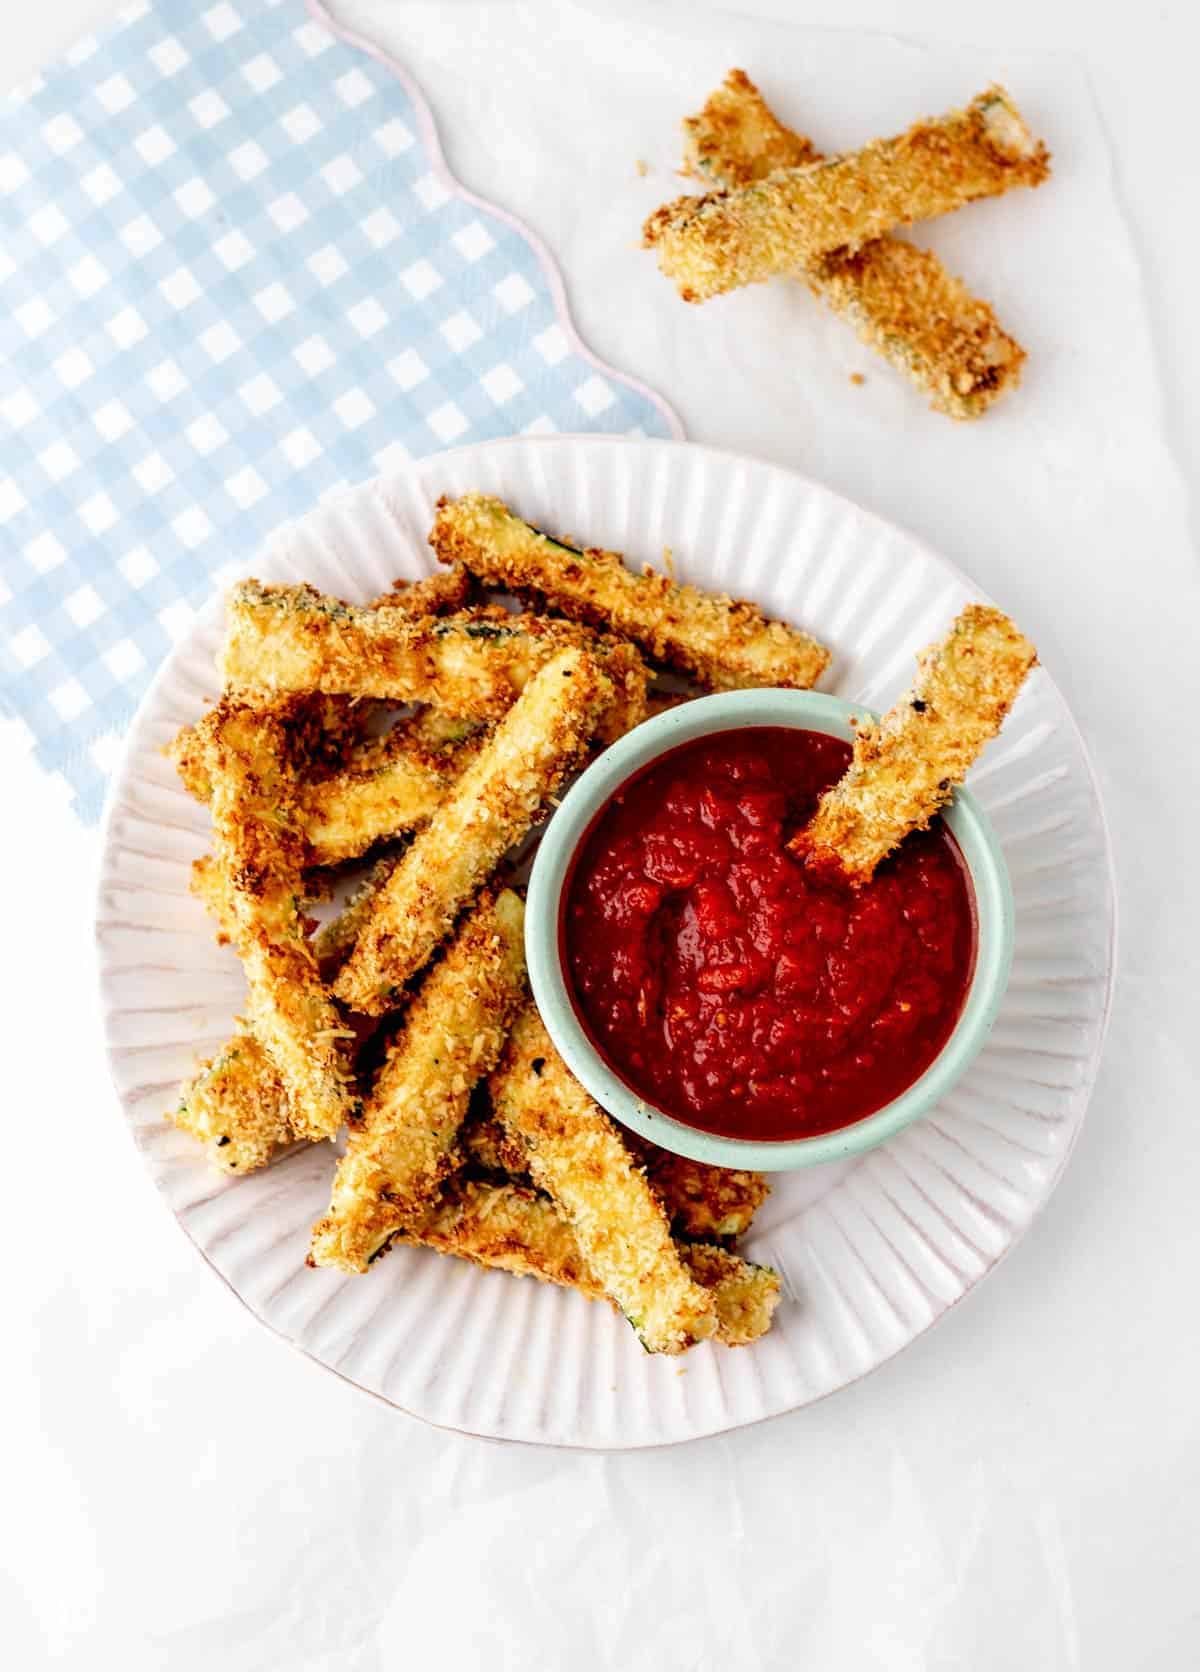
[1020, 1488]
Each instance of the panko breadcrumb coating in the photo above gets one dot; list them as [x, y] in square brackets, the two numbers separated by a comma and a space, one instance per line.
[721, 641]
[235, 1104]
[293, 638]
[702, 1202]
[577, 1157]
[321, 730]
[260, 852]
[236, 1107]
[905, 766]
[388, 787]
[503, 792]
[899, 299]
[514, 1228]
[724, 240]
[403, 1147]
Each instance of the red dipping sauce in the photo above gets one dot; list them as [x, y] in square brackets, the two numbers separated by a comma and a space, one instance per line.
[732, 986]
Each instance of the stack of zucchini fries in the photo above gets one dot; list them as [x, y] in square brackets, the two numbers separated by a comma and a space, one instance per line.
[780, 207]
[422, 738]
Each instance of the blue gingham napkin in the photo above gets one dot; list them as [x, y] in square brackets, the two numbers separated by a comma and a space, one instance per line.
[234, 276]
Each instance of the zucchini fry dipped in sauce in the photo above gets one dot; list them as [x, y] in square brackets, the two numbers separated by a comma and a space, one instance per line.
[899, 299]
[403, 1146]
[788, 220]
[236, 1104]
[577, 1156]
[905, 766]
[499, 797]
[515, 1229]
[260, 852]
[292, 638]
[722, 642]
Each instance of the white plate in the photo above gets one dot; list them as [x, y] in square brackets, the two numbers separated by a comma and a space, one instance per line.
[871, 1251]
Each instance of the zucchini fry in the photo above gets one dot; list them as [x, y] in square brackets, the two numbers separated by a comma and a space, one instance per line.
[498, 798]
[899, 299]
[702, 1202]
[724, 643]
[442, 593]
[722, 241]
[905, 766]
[326, 727]
[236, 1107]
[577, 1156]
[389, 787]
[260, 853]
[235, 1104]
[511, 1227]
[292, 638]
[403, 1146]
[321, 729]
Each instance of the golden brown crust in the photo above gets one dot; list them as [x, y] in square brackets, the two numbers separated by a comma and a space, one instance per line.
[292, 638]
[721, 241]
[577, 1157]
[403, 1147]
[236, 1106]
[445, 592]
[493, 804]
[703, 1202]
[899, 299]
[724, 642]
[905, 767]
[737, 139]
[260, 852]
[509, 1226]
[388, 787]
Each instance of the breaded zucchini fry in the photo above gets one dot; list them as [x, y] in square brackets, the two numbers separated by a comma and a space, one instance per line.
[388, 787]
[260, 852]
[515, 1229]
[403, 1146]
[905, 767]
[703, 1202]
[577, 1156]
[322, 729]
[899, 299]
[724, 240]
[291, 638]
[722, 642]
[499, 797]
[442, 593]
[235, 1105]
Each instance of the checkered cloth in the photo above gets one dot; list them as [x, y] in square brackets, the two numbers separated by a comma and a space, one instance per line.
[232, 280]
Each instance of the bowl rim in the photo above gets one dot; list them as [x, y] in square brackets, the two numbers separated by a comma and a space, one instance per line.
[687, 723]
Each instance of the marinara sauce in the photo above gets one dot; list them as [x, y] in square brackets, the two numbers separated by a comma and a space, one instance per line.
[734, 987]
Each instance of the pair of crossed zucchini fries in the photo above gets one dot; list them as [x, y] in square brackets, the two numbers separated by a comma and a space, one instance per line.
[780, 207]
[406, 1018]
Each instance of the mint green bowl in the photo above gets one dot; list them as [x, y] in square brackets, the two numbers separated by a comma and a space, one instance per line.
[731, 711]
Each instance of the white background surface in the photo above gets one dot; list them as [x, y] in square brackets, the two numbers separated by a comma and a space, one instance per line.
[1021, 1488]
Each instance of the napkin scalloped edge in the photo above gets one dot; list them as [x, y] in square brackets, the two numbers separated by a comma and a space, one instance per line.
[553, 274]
